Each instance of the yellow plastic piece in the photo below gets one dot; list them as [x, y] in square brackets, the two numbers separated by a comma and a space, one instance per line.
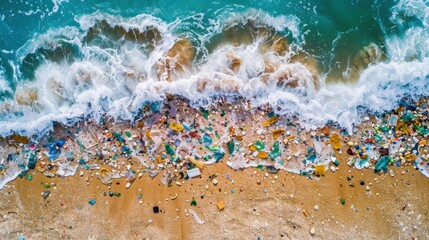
[158, 159]
[262, 155]
[220, 206]
[335, 141]
[270, 121]
[410, 157]
[252, 148]
[305, 213]
[278, 132]
[176, 127]
[197, 163]
[319, 170]
[104, 171]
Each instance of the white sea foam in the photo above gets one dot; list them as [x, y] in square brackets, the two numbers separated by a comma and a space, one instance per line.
[118, 80]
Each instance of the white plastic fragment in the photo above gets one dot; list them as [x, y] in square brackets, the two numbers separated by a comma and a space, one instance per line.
[196, 217]
[195, 172]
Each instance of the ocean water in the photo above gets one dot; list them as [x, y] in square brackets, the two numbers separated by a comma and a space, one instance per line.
[323, 61]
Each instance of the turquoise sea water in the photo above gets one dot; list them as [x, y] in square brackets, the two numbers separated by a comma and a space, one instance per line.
[67, 60]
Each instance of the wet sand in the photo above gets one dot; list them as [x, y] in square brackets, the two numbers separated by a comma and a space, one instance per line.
[282, 206]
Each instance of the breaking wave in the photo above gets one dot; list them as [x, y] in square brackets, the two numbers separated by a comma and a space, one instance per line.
[113, 65]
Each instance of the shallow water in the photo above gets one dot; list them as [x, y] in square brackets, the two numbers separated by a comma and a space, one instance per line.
[323, 61]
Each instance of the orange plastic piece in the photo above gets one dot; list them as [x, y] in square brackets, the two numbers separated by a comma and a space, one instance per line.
[220, 206]
[325, 130]
[231, 130]
[278, 132]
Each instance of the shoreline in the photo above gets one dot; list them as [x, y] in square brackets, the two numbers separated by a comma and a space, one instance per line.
[182, 145]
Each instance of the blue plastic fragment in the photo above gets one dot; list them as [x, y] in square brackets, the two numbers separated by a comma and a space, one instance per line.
[55, 149]
[92, 201]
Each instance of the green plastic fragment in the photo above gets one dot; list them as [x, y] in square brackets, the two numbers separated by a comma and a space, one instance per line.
[382, 164]
[193, 202]
[222, 113]
[213, 149]
[421, 130]
[81, 146]
[290, 124]
[118, 137]
[231, 147]
[275, 152]
[378, 138]
[384, 129]
[205, 113]
[169, 149]
[259, 145]
[207, 140]
[260, 167]
[271, 114]
[407, 117]
[219, 155]
[342, 201]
